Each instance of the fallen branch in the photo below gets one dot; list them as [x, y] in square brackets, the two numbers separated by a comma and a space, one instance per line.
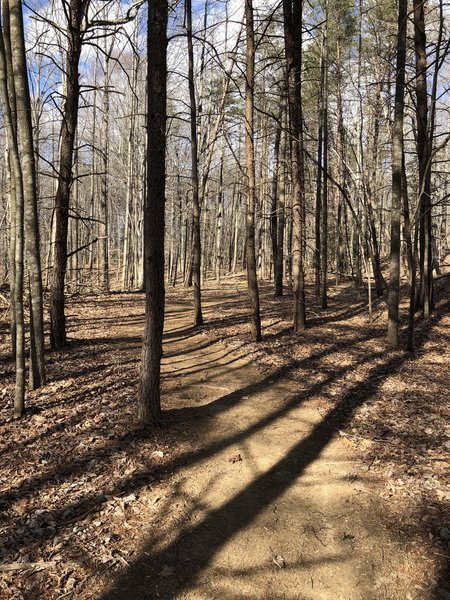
[24, 566]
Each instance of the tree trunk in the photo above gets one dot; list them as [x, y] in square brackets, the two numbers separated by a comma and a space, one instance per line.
[279, 271]
[397, 171]
[324, 236]
[275, 204]
[149, 398]
[103, 233]
[196, 238]
[28, 166]
[58, 337]
[255, 320]
[18, 226]
[219, 220]
[423, 156]
[293, 49]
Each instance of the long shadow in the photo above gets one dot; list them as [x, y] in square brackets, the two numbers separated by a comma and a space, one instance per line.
[221, 524]
[141, 478]
[92, 504]
[195, 547]
[223, 403]
[189, 350]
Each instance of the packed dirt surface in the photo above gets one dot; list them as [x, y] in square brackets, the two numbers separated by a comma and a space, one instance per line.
[300, 468]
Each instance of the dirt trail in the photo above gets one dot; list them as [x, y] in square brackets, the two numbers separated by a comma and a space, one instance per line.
[270, 504]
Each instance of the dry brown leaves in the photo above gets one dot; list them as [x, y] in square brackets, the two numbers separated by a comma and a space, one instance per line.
[80, 481]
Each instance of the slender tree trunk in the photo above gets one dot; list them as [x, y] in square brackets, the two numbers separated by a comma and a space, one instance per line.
[319, 179]
[397, 170]
[28, 166]
[280, 225]
[219, 219]
[324, 236]
[9, 103]
[407, 228]
[103, 236]
[274, 211]
[196, 237]
[423, 146]
[149, 398]
[255, 320]
[19, 398]
[236, 233]
[18, 225]
[12, 243]
[129, 197]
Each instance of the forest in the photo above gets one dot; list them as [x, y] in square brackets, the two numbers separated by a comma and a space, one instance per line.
[224, 299]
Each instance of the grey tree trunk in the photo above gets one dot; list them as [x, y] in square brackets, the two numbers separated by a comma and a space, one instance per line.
[274, 209]
[103, 233]
[423, 155]
[9, 103]
[397, 171]
[28, 166]
[196, 238]
[250, 253]
[18, 226]
[324, 233]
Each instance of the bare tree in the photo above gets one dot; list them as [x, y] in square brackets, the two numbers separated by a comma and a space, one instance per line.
[76, 12]
[397, 169]
[250, 254]
[28, 166]
[17, 237]
[292, 12]
[196, 239]
[149, 401]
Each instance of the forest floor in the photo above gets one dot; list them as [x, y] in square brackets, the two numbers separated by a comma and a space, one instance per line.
[305, 467]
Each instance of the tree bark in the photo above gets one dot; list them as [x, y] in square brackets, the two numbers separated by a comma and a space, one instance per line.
[252, 281]
[149, 398]
[292, 11]
[397, 172]
[18, 225]
[275, 204]
[28, 166]
[196, 238]
[76, 12]
[324, 236]
[423, 155]
[103, 233]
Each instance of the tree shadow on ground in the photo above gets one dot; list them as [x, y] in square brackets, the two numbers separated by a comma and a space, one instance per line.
[194, 547]
[210, 535]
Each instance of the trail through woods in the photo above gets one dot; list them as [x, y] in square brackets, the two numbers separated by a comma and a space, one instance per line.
[280, 473]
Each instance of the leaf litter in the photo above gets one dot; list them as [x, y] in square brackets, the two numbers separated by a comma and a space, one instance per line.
[80, 480]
